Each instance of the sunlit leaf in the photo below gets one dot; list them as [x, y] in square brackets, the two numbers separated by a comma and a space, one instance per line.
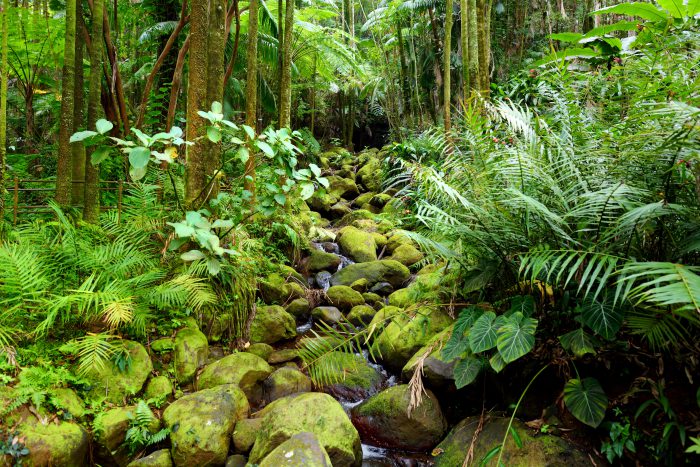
[586, 400]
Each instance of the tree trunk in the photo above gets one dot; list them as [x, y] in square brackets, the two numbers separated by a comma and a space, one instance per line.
[91, 212]
[63, 168]
[286, 76]
[482, 8]
[251, 93]
[473, 46]
[215, 89]
[3, 103]
[464, 38]
[446, 55]
[177, 82]
[78, 150]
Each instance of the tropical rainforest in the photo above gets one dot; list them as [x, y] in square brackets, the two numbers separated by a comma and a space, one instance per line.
[349, 233]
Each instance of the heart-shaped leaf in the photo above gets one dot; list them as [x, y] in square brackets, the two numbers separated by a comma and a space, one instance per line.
[137, 174]
[99, 154]
[483, 333]
[307, 190]
[586, 400]
[81, 136]
[466, 371]
[516, 336]
[214, 134]
[139, 157]
[103, 126]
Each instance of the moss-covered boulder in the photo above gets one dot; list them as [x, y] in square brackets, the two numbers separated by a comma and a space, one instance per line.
[357, 244]
[272, 324]
[283, 382]
[373, 299]
[159, 458]
[283, 356]
[384, 316]
[384, 420]
[309, 412]
[354, 377]
[246, 370]
[360, 285]
[407, 255]
[117, 385]
[261, 349]
[406, 334]
[110, 432]
[382, 288]
[537, 449]
[279, 289]
[299, 308]
[63, 443]
[322, 202]
[437, 372]
[301, 450]
[403, 298]
[380, 200]
[363, 199]
[159, 388]
[321, 261]
[190, 354]
[369, 175]
[396, 239]
[339, 209]
[384, 270]
[327, 314]
[165, 344]
[352, 217]
[344, 297]
[342, 187]
[69, 401]
[361, 315]
[201, 424]
[244, 434]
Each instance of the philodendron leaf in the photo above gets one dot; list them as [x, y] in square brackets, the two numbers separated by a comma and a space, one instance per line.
[602, 316]
[586, 400]
[139, 157]
[466, 371]
[99, 154]
[82, 135]
[103, 126]
[578, 342]
[483, 333]
[516, 336]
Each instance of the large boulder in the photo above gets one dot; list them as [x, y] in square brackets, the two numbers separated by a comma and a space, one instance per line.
[321, 261]
[61, 443]
[159, 458]
[358, 245]
[117, 385]
[201, 424]
[261, 349]
[344, 297]
[301, 450]
[190, 354]
[369, 175]
[244, 434]
[242, 368]
[309, 412]
[110, 432]
[354, 378]
[159, 388]
[361, 315]
[272, 324]
[283, 382]
[342, 187]
[437, 372]
[299, 308]
[540, 450]
[385, 420]
[279, 288]
[385, 270]
[407, 255]
[406, 334]
[396, 239]
[327, 314]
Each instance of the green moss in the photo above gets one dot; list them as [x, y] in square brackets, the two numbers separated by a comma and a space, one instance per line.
[301, 450]
[407, 255]
[116, 384]
[285, 381]
[64, 444]
[191, 352]
[272, 324]
[155, 459]
[244, 434]
[361, 315]
[261, 349]
[241, 368]
[358, 245]
[322, 261]
[345, 297]
[384, 270]
[159, 388]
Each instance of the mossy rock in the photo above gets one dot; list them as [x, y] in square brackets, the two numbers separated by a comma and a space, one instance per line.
[191, 353]
[261, 349]
[380, 200]
[283, 356]
[368, 176]
[110, 428]
[437, 372]
[69, 401]
[361, 315]
[407, 255]
[246, 370]
[309, 412]
[159, 458]
[540, 450]
[291, 274]
[402, 298]
[354, 377]
[363, 199]
[405, 335]
[379, 239]
[396, 239]
[162, 345]
[344, 297]
[384, 270]
[299, 308]
[327, 314]
[339, 209]
[276, 289]
[301, 450]
[283, 382]
[116, 384]
[244, 434]
[322, 201]
[64, 444]
[201, 424]
[272, 324]
[322, 261]
[350, 218]
[385, 315]
[159, 388]
[373, 299]
[236, 460]
[342, 187]
[382, 288]
[360, 285]
[357, 244]
[384, 420]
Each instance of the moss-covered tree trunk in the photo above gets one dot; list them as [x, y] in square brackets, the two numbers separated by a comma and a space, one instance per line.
[78, 150]
[251, 92]
[464, 41]
[286, 78]
[215, 89]
[446, 55]
[91, 211]
[3, 102]
[484, 15]
[473, 46]
[63, 168]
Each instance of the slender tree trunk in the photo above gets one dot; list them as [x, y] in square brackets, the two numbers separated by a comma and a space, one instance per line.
[251, 93]
[286, 78]
[280, 56]
[63, 169]
[3, 103]
[236, 39]
[78, 150]
[177, 82]
[473, 46]
[91, 212]
[446, 55]
[464, 38]
[406, 93]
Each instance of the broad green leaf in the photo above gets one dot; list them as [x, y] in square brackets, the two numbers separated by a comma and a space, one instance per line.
[315, 169]
[693, 7]
[143, 137]
[523, 303]
[323, 181]
[566, 36]
[466, 371]
[182, 230]
[82, 136]
[213, 266]
[175, 132]
[222, 224]
[103, 126]
[497, 363]
[567, 54]
[602, 316]
[192, 255]
[586, 400]
[458, 342]
[307, 190]
[280, 199]
[217, 108]
[643, 10]
[675, 7]
[214, 134]
[243, 154]
[578, 342]
[608, 28]
[266, 148]
[99, 154]
[137, 174]
[483, 333]
[139, 157]
[516, 337]
[249, 131]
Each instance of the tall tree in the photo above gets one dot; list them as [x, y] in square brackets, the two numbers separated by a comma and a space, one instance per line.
[63, 169]
[78, 150]
[286, 78]
[473, 45]
[446, 56]
[251, 92]
[464, 42]
[91, 210]
[3, 103]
